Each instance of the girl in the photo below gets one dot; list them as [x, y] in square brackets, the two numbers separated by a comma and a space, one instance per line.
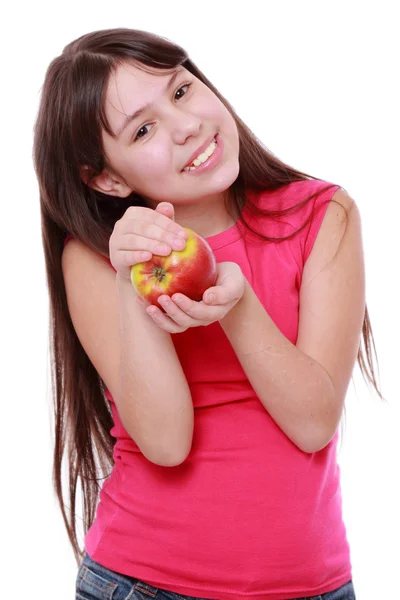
[217, 419]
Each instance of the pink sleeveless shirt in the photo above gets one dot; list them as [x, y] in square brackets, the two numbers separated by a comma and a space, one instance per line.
[248, 514]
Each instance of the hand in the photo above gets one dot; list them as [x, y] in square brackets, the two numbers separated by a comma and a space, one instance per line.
[142, 232]
[182, 313]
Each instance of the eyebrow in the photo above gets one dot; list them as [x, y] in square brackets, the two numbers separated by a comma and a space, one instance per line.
[145, 107]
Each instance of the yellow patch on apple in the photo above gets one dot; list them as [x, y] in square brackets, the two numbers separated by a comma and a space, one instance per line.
[190, 271]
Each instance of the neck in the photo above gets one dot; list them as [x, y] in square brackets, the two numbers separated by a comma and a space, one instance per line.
[207, 218]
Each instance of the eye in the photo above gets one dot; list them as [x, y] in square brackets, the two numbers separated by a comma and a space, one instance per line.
[187, 85]
[138, 135]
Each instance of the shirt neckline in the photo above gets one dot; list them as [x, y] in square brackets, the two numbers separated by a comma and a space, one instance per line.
[224, 238]
[230, 235]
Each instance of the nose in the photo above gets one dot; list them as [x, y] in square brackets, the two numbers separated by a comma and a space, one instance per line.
[184, 125]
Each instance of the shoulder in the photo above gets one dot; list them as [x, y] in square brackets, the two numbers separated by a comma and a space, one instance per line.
[342, 199]
[325, 206]
[74, 249]
[341, 208]
[339, 231]
[77, 257]
[294, 211]
[87, 275]
[341, 213]
[90, 286]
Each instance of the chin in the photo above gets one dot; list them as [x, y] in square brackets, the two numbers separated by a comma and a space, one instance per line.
[223, 179]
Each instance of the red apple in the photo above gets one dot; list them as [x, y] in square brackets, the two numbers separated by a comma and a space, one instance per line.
[190, 271]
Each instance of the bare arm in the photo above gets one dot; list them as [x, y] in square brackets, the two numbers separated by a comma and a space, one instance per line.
[303, 386]
[135, 359]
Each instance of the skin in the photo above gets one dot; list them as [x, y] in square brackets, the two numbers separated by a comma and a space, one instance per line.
[181, 120]
[302, 386]
[148, 158]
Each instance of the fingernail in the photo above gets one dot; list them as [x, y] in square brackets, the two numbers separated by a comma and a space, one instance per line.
[210, 298]
[182, 233]
[179, 243]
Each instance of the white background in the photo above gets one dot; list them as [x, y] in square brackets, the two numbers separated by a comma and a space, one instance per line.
[316, 82]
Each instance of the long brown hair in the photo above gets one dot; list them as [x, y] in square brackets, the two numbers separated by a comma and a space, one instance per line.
[68, 135]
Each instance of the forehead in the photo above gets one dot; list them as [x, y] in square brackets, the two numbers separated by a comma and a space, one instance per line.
[130, 87]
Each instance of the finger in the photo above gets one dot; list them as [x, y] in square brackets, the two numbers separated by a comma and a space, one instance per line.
[132, 241]
[198, 311]
[134, 213]
[145, 235]
[164, 321]
[175, 312]
[167, 209]
[128, 258]
[219, 294]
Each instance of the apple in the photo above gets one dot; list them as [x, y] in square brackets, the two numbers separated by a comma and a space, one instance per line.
[190, 271]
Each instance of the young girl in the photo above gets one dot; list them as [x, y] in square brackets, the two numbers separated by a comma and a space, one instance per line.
[215, 422]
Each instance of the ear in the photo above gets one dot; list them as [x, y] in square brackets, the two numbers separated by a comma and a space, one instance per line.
[106, 183]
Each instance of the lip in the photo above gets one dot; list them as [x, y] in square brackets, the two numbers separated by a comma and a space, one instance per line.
[211, 161]
[200, 150]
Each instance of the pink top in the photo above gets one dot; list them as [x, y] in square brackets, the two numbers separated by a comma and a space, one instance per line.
[248, 514]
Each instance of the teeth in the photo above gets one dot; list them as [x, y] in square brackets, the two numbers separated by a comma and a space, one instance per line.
[202, 157]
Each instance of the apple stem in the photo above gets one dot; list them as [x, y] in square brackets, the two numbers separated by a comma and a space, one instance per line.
[159, 274]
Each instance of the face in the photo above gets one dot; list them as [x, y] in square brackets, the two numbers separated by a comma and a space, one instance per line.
[150, 153]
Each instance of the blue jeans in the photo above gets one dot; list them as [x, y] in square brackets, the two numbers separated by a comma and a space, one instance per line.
[95, 582]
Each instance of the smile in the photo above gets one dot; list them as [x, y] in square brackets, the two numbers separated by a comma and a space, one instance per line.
[202, 157]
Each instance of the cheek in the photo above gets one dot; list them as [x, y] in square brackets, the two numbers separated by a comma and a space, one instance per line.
[155, 158]
[148, 163]
[230, 122]
[225, 120]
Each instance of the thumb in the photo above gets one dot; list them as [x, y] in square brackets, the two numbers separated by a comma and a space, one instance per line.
[217, 294]
[167, 209]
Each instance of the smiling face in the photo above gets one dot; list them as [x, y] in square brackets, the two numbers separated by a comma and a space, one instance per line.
[150, 152]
